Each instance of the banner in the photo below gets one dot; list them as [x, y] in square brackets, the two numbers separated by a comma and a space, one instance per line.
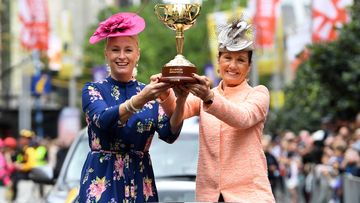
[327, 15]
[33, 15]
[54, 52]
[265, 22]
[269, 35]
[277, 99]
[41, 84]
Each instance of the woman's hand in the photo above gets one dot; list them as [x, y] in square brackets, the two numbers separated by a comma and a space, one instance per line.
[153, 91]
[181, 92]
[202, 88]
[163, 95]
[136, 102]
[155, 77]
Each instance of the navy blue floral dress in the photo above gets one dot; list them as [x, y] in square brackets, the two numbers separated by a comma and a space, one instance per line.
[118, 168]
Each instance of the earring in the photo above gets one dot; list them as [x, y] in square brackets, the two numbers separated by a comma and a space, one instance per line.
[135, 70]
[108, 69]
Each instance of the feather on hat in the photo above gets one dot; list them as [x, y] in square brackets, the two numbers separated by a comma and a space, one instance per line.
[235, 36]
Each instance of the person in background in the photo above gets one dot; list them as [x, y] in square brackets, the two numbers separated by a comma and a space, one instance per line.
[4, 172]
[25, 159]
[122, 116]
[9, 151]
[60, 156]
[232, 164]
[291, 160]
[272, 164]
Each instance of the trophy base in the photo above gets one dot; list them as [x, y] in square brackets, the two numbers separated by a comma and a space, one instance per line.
[178, 80]
[178, 74]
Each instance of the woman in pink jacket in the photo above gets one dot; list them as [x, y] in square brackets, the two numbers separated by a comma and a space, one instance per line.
[232, 165]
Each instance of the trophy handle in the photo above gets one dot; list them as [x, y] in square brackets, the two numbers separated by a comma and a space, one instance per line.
[196, 13]
[158, 8]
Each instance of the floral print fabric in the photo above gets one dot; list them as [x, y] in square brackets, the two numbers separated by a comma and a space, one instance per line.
[118, 168]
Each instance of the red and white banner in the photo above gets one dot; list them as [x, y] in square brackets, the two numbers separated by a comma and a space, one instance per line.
[327, 15]
[265, 22]
[33, 15]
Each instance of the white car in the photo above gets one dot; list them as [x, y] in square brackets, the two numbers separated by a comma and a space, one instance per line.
[174, 167]
[175, 164]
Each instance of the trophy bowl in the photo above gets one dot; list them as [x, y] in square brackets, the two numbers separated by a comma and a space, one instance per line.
[178, 17]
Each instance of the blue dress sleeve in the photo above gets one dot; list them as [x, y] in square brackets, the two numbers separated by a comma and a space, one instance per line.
[97, 110]
[164, 128]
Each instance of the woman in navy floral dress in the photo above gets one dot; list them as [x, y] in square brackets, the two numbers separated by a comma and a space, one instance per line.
[122, 116]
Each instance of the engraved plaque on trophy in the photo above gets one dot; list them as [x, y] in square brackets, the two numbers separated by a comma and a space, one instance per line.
[178, 17]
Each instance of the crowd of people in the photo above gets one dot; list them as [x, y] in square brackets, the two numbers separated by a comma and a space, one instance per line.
[19, 156]
[310, 166]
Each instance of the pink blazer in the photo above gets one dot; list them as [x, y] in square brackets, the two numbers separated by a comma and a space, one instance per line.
[231, 158]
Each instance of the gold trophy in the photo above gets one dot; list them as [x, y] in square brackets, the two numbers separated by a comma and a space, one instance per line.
[178, 17]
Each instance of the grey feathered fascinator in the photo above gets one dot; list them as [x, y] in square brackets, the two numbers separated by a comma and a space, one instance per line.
[236, 36]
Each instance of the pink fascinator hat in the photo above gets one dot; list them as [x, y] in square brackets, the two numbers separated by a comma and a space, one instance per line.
[120, 24]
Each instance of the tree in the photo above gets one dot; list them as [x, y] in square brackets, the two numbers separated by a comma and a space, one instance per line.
[326, 85]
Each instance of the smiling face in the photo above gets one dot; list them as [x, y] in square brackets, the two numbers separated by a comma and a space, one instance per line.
[122, 54]
[234, 67]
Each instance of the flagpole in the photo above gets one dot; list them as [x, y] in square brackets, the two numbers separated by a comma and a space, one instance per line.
[34, 20]
[24, 117]
[38, 105]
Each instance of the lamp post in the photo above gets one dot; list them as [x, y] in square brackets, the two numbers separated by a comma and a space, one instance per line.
[38, 65]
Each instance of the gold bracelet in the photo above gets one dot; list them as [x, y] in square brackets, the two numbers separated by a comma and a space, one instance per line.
[132, 105]
[126, 103]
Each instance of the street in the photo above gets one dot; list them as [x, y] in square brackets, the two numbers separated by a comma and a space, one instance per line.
[29, 192]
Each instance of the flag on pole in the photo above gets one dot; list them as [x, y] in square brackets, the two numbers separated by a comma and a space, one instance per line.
[269, 35]
[41, 84]
[33, 15]
[327, 15]
[265, 22]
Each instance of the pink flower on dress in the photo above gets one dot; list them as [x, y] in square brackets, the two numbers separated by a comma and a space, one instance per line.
[132, 191]
[97, 187]
[161, 114]
[119, 168]
[94, 94]
[161, 110]
[127, 191]
[148, 192]
[95, 142]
